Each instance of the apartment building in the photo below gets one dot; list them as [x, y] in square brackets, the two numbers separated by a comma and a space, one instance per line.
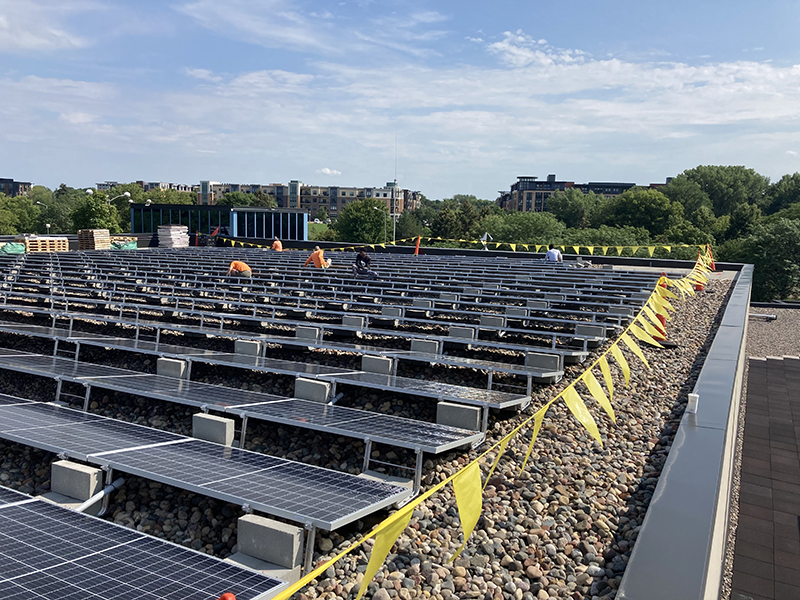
[9, 187]
[150, 185]
[529, 194]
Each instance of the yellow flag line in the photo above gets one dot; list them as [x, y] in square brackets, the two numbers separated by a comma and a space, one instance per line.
[417, 501]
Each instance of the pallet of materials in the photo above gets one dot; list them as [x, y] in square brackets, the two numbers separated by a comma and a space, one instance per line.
[44, 244]
[93, 239]
[173, 236]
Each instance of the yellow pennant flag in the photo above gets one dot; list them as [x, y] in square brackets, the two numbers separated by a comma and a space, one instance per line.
[578, 408]
[607, 376]
[577, 249]
[598, 394]
[667, 248]
[384, 540]
[496, 246]
[590, 249]
[619, 250]
[660, 305]
[382, 245]
[563, 248]
[634, 250]
[500, 451]
[651, 249]
[665, 292]
[647, 333]
[537, 426]
[513, 247]
[605, 249]
[623, 364]
[467, 486]
[626, 339]
[525, 246]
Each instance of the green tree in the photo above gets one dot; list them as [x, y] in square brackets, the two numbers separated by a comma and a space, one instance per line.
[93, 212]
[8, 222]
[363, 222]
[524, 227]
[783, 193]
[641, 207]
[408, 226]
[236, 199]
[773, 249]
[322, 214]
[607, 236]
[572, 207]
[743, 220]
[791, 212]
[689, 194]
[447, 224]
[24, 210]
[729, 186]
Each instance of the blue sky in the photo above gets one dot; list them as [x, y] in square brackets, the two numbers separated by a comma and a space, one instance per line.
[462, 96]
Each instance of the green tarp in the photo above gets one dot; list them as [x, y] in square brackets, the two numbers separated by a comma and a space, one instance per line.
[124, 245]
[12, 248]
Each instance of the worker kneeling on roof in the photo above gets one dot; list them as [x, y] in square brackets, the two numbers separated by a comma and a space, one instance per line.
[318, 258]
[239, 269]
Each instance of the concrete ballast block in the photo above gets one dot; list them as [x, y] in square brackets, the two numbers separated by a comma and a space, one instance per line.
[75, 480]
[270, 541]
[545, 362]
[311, 389]
[516, 311]
[462, 332]
[172, 367]
[492, 321]
[448, 297]
[590, 330]
[249, 347]
[354, 321]
[425, 346]
[391, 311]
[538, 304]
[459, 415]
[307, 333]
[422, 303]
[377, 364]
[212, 428]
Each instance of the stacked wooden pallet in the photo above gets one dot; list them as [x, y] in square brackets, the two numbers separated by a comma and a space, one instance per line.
[93, 239]
[43, 244]
[123, 239]
[173, 236]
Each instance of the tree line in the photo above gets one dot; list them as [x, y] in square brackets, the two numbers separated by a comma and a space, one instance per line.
[744, 216]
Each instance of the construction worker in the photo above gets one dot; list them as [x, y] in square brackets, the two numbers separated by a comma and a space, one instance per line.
[277, 245]
[553, 254]
[361, 266]
[239, 269]
[318, 258]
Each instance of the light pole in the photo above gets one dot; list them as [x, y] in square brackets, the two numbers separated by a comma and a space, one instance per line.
[384, 223]
[90, 191]
[46, 224]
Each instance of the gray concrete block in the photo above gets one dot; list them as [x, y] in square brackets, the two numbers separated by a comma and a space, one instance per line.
[492, 321]
[472, 291]
[172, 367]
[552, 296]
[459, 415]
[75, 480]
[462, 332]
[544, 362]
[448, 297]
[421, 303]
[249, 347]
[626, 311]
[538, 304]
[590, 330]
[425, 346]
[307, 333]
[516, 311]
[377, 364]
[391, 311]
[212, 428]
[354, 321]
[311, 389]
[270, 541]
[265, 568]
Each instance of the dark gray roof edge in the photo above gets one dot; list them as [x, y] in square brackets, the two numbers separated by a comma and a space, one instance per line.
[680, 549]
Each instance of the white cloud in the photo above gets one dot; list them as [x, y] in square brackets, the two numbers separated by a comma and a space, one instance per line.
[28, 25]
[204, 74]
[77, 118]
[791, 153]
[327, 171]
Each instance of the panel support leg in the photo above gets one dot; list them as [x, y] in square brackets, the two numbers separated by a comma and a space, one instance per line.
[418, 473]
[485, 424]
[310, 540]
[243, 434]
[58, 389]
[491, 377]
[86, 398]
[367, 454]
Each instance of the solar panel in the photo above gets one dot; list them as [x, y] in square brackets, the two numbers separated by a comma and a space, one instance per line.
[55, 366]
[389, 429]
[8, 496]
[327, 499]
[49, 552]
[75, 433]
[433, 389]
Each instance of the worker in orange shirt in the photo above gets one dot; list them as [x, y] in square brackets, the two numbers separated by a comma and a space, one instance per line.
[239, 269]
[318, 258]
[277, 245]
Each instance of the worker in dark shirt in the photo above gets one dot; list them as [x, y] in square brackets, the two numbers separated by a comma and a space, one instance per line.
[361, 266]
